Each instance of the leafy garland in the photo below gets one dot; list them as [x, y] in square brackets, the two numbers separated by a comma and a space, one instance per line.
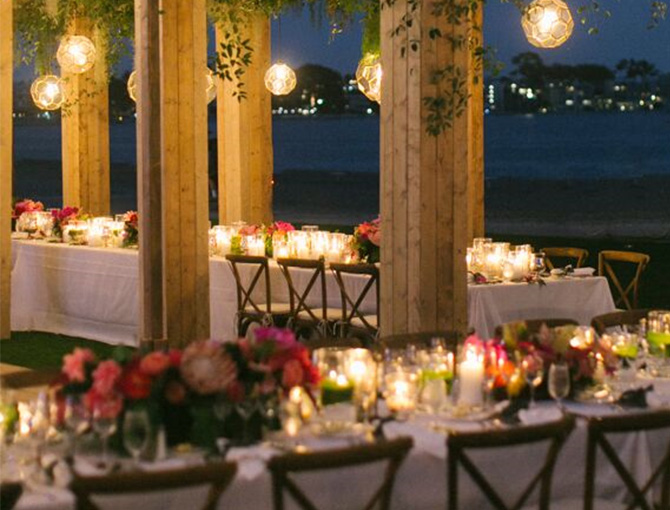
[41, 23]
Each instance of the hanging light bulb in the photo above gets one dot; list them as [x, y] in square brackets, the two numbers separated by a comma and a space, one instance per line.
[547, 23]
[131, 86]
[47, 92]
[280, 79]
[76, 54]
[369, 77]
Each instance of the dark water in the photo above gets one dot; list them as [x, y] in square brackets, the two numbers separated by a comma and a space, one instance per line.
[574, 146]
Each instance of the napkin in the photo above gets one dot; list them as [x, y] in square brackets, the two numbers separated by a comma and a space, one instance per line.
[251, 460]
[539, 415]
[583, 271]
[658, 400]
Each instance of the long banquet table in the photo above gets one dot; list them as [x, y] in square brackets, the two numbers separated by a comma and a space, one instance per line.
[421, 482]
[94, 293]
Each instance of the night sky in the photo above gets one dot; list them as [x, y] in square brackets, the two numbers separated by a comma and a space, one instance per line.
[623, 36]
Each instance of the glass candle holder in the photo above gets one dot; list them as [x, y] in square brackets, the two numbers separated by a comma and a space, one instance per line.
[401, 391]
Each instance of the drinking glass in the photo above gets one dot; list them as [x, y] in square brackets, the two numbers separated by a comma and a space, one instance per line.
[434, 395]
[76, 419]
[559, 382]
[246, 410]
[539, 262]
[136, 429]
[533, 368]
[104, 424]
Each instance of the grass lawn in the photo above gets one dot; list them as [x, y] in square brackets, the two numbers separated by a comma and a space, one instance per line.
[45, 350]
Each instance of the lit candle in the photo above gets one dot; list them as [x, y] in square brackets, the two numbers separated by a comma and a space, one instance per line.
[401, 392]
[336, 388]
[471, 376]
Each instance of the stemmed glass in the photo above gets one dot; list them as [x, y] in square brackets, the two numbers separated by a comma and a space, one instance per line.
[246, 410]
[559, 382]
[136, 430]
[76, 418]
[104, 424]
[533, 369]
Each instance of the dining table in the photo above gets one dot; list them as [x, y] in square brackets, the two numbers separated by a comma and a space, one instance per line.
[421, 482]
[93, 293]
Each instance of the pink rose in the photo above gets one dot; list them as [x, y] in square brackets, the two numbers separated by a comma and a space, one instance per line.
[74, 364]
[106, 376]
[155, 363]
[292, 374]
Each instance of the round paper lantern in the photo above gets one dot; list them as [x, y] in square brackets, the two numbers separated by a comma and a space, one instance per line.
[547, 23]
[47, 92]
[369, 77]
[280, 79]
[211, 86]
[132, 86]
[76, 54]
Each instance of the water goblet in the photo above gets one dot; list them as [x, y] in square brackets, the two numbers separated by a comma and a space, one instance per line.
[434, 395]
[533, 369]
[136, 430]
[104, 424]
[75, 419]
[559, 382]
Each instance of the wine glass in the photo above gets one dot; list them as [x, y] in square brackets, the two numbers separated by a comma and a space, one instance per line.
[434, 395]
[75, 419]
[559, 382]
[136, 429]
[246, 410]
[104, 424]
[533, 369]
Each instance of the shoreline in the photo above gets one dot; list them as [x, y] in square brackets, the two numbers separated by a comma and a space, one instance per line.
[617, 207]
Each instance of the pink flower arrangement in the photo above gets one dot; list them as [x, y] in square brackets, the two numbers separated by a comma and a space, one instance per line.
[280, 228]
[26, 205]
[75, 364]
[106, 376]
[207, 368]
[131, 232]
[62, 217]
[367, 240]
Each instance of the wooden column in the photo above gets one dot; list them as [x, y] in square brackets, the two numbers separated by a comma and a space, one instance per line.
[85, 123]
[244, 141]
[476, 186]
[424, 178]
[6, 164]
[183, 50]
[147, 58]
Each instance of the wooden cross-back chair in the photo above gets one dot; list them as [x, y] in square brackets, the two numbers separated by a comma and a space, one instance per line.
[10, 493]
[605, 268]
[576, 255]
[250, 309]
[282, 467]
[217, 475]
[315, 319]
[420, 340]
[353, 321]
[458, 444]
[601, 323]
[598, 429]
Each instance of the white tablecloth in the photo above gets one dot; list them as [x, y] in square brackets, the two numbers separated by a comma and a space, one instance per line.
[93, 293]
[422, 481]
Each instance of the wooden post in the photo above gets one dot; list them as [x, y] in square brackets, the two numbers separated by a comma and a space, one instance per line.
[6, 164]
[183, 51]
[424, 178]
[476, 186]
[244, 140]
[147, 58]
[85, 123]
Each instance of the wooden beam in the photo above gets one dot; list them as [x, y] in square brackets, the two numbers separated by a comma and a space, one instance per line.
[244, 141]
[183, 51]
[147, 58]
[85, 123]
[424, 178]
[476, 183]
[6, 163]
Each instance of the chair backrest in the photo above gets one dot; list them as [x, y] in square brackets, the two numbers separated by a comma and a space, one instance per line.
[401, 341]
[351, 304]
[627, 295]
[578, 255]
[245, 292]
[599, 428]
[217, 475]
[10, 492]
[458, 445]
[298, 299]
[601, 323]
[281, 467]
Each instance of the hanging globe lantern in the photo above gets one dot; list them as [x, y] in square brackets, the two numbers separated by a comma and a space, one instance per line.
[211, 86]
[547, 23]
[76, 54]
[369, 77]
[280, 79]
[48, 92]
[131, 86]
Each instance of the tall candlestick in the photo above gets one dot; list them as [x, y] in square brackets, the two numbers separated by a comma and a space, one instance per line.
[471, 376]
